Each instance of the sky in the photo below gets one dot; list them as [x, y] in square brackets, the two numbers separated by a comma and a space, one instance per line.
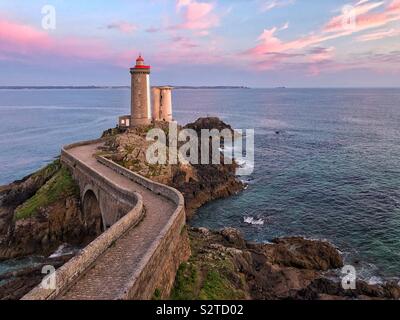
[255, 43]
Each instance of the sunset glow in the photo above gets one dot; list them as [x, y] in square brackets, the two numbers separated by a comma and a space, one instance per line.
[257, 43]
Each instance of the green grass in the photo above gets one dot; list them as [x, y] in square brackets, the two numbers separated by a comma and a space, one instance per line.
[213, 285]
[48, 170]
[218, 287]
[186, 281]
[59, 186]
[156, 294]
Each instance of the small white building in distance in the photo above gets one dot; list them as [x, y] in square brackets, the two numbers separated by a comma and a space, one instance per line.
[142, 112]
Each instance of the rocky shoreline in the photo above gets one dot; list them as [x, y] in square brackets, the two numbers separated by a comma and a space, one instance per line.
[15, 284]
[224, 265]
[43, 211]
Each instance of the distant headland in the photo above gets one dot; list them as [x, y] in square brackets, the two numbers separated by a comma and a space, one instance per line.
[114, 87]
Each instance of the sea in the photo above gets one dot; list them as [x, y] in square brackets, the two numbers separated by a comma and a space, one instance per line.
[327, 161]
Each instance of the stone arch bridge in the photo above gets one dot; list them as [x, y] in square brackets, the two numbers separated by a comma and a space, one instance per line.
[142, 245]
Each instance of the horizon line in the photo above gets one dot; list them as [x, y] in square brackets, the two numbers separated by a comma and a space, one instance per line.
[16, 87]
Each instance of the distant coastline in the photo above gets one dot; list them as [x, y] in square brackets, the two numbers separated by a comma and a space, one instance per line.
[112, 87]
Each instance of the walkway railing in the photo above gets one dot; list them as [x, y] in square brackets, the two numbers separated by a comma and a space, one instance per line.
[70, 272]
[66, 275]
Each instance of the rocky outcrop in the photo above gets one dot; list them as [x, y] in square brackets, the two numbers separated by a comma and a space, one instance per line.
[14, 194]
[15, 284]
[212, 181]
[225, 266]
[198, 183]
[299, 253]
[40, 213]
[37, 215]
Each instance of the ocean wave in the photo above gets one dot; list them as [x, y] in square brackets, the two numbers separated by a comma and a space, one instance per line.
[375, 280]
[246, 165]
[247, 181]
[242, 162]
[63, 250]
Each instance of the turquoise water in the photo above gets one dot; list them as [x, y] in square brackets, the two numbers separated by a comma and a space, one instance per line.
[331, 173]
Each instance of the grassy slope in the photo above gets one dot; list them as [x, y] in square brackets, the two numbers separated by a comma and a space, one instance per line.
[61, 185]
[207, 277]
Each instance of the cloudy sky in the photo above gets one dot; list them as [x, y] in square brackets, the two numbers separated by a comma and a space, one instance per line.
[257, 43]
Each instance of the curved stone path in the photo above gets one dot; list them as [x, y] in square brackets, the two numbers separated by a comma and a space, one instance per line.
[108, 276]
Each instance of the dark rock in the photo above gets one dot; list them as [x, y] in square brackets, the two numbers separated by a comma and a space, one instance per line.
[208, 123]
[234, 237]
[289, 268]
[59, 221]
[15, 285]
[305, 254]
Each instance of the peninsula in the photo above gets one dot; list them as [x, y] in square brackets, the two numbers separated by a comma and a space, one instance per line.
[131, 221]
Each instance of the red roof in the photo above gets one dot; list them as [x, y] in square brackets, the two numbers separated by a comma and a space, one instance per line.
[140, 63]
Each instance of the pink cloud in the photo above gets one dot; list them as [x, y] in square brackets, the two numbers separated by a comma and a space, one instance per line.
[394, 7]
[197, 15]
[321, 54]
[381, 34]
[26, 44]
[357, 12]
[30, 44]
[365, 18]
[272, 4]
[186, 50]
[21, 38]
[272, 52]
[269, 42]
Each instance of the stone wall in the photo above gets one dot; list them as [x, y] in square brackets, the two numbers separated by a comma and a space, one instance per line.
[114, 201]
[158, 269]
[68, 273]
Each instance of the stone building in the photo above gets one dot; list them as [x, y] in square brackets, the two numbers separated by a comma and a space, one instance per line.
[141, 111]
[162, 103]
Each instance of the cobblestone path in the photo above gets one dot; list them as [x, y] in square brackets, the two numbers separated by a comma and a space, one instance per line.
[108, 276]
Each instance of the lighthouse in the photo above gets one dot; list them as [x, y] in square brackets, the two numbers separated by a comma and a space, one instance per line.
[140, 93]
[141, 110]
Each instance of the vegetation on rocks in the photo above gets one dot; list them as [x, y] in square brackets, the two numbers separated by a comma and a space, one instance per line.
[209, 283]
[225, 266]
[59, 186]
[208, 275]
[42, 212]
[198, 183]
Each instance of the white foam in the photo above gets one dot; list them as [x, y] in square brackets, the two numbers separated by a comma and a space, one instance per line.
[63, 250]
[375, 280]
